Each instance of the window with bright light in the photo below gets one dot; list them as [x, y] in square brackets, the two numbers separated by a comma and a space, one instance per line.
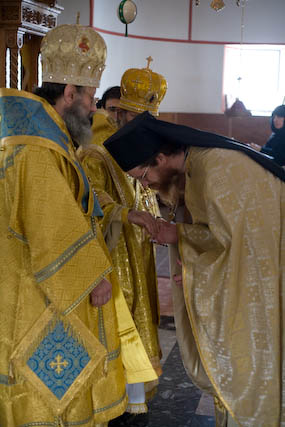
[40, 70]
[255, 74]
[8, 59]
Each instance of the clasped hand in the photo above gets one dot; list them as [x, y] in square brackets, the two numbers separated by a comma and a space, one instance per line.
[161, 231]
[101, 294]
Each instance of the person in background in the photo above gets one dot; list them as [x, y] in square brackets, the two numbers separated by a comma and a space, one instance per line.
[275, 146]
[231, 322]
[59, 340]
[126, 206]
[105, 119]
[111, 101]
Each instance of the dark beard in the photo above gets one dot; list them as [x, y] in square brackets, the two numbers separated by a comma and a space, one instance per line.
[166, 177]
[78, 124]
[171, 191]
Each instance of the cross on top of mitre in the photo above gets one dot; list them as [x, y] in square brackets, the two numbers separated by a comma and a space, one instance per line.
[149, 60]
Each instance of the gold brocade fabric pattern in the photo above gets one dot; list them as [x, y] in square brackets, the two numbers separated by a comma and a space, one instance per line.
[52, 256]
[132, 253]
[102, 126]
[233, 278]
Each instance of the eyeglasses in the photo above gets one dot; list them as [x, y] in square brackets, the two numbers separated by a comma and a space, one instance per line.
[141, 178]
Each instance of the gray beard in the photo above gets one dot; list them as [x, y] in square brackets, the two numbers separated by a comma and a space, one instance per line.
[78, 125]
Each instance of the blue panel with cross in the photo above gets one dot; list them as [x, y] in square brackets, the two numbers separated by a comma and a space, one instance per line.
[58, 360]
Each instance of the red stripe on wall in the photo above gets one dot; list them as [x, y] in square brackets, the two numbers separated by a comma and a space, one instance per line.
[91, 3]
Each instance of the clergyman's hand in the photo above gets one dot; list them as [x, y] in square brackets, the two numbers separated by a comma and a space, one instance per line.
[167, 232]
[144, 219]
[178, 277]
[255, 146]
[101, 294]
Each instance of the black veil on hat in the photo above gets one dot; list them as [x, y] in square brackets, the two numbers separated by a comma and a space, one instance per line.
[135, 143]
[142, 137]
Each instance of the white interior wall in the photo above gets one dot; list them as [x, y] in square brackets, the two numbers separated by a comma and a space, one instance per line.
[263, 22]
[194, 70]
[71, 7]
[180, 65]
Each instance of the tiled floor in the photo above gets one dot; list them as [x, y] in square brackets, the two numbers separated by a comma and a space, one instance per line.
[178, 402]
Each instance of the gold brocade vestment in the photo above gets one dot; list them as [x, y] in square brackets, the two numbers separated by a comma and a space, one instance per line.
[132, 253]
[102, 126]
[233, 279]
[59, 354]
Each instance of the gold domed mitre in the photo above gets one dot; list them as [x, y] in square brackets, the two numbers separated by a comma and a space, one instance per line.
[142, 90]
[73, 54]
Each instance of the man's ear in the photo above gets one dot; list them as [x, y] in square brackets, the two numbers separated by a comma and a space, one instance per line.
[69, 94]
[161, 159]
